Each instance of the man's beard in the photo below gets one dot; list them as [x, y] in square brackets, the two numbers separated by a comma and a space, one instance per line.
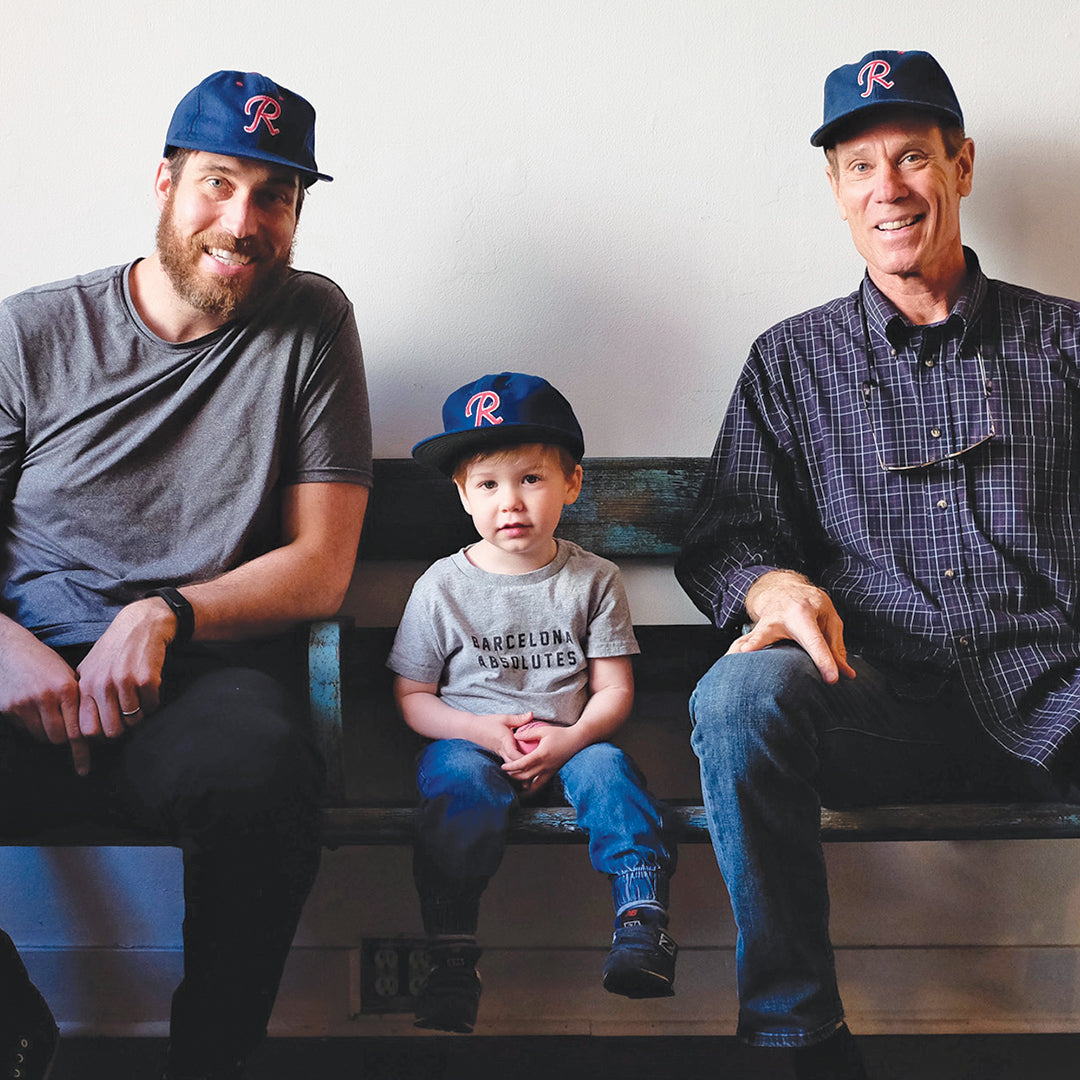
[223, 297]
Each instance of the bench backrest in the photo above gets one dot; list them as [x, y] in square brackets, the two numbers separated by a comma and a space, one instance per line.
[629, 508]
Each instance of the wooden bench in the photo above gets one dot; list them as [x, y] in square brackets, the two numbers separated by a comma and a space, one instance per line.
[632, 510]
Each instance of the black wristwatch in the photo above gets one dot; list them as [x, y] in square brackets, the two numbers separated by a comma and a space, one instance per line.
[185, 613]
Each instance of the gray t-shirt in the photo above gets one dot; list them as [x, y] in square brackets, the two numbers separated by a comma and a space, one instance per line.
[498, 643]
[128, 462]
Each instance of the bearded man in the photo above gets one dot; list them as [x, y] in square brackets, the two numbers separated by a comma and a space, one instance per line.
[185, 458]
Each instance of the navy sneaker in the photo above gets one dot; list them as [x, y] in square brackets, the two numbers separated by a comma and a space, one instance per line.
[450, 998]
[837, 1058]
[641, 963]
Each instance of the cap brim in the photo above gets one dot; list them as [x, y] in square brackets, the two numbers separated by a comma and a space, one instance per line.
[444, 451]
[823, 135]
[309, 176]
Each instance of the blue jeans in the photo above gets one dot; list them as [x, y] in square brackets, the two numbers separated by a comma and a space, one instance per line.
[465, 803]
[775, 742]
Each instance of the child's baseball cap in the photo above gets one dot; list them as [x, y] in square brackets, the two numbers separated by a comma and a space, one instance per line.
[508, 409]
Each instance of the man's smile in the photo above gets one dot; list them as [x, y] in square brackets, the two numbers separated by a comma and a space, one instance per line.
[230, 258]
[903, 223]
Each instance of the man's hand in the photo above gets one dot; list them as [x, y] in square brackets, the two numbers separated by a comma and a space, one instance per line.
[40, 693]
[785, 606]
[120, 677]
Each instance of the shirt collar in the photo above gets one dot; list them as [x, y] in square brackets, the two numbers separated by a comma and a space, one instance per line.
[884, 320]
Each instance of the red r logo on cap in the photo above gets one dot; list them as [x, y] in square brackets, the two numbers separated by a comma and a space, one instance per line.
[486, 402]
[875, 72]
[266, 109]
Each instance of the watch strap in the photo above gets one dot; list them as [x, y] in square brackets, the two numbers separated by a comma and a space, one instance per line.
[184, 612]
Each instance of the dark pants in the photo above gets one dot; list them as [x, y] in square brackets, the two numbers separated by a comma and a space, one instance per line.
[225, 770]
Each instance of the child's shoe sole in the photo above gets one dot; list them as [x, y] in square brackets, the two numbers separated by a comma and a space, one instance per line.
[641, 963]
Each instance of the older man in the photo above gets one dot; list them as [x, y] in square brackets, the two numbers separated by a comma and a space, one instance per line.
[184, 467]
[891, 508]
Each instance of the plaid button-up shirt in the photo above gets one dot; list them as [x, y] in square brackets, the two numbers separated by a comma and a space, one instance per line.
[928, 479]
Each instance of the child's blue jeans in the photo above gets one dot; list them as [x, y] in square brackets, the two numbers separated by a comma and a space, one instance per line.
[465, 804]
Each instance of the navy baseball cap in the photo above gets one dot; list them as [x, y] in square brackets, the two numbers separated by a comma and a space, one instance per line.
[911, 80]
[245, 114]
[507, 409]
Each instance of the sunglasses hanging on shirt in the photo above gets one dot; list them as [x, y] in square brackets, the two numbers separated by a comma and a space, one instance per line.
[900, 440]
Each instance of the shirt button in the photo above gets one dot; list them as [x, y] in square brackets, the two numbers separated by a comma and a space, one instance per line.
[950, 573]
[936, 432]
[964, 642]
[929, 363]
[941, 503]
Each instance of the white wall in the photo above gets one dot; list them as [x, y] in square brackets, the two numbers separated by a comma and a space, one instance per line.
[618, 194]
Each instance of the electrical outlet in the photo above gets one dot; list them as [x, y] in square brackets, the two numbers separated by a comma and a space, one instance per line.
[391, 975]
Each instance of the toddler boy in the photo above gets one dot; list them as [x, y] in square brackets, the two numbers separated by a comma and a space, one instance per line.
[513, 656]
